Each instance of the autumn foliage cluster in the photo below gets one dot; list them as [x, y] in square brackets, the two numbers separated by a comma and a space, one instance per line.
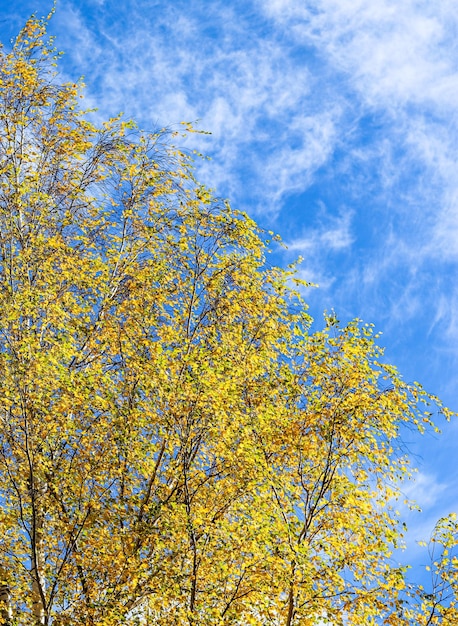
[176, 445]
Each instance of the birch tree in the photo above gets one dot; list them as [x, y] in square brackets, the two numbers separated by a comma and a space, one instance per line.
[177, 446]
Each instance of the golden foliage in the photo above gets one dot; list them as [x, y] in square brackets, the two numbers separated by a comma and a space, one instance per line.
[177, 447]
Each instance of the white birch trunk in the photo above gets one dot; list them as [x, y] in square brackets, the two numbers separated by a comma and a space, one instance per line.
[38, 579]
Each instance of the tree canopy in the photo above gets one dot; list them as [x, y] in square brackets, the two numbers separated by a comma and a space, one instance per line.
[177, 445]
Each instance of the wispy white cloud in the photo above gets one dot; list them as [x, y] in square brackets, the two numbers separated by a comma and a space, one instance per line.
[393, 52]
[436, 498]
[447, 314]
[188, 62]
[401, 60]
[424, 489]
[395, 64]
[332, 234]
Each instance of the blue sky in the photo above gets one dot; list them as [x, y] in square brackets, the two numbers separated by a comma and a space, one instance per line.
[333, 123]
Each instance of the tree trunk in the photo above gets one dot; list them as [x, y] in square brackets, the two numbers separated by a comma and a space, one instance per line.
[38, 581]
[291, 599]
[5, 599]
